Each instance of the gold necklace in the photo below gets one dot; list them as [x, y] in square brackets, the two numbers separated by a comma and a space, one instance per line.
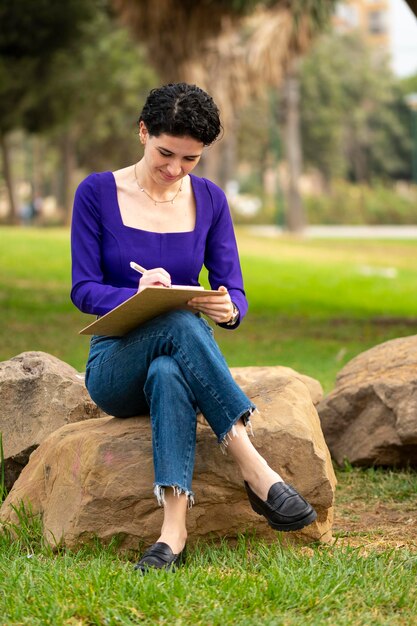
[153, 199]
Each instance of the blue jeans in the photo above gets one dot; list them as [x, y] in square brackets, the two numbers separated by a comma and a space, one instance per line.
[173, 368]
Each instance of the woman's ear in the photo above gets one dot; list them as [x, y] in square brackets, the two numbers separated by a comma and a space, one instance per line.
[143, 133]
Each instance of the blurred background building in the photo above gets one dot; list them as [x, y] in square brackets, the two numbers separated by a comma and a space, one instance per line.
[370, 17]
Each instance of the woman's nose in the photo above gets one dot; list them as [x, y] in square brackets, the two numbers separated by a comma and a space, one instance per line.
[174, 168]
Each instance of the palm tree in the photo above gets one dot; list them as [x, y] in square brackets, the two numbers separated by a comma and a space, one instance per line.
[265, 50]
[234, 49]
[175, 32]
[295, 26]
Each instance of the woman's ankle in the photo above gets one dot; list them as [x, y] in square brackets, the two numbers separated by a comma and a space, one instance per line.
[175, 538]
[261, 480]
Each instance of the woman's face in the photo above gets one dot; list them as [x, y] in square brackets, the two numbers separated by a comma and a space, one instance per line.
[168, 158]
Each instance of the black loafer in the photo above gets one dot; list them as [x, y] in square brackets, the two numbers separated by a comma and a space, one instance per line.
[160, 556]
[284, 509]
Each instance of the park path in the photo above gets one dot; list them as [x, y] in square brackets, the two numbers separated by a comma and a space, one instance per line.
[340, 232]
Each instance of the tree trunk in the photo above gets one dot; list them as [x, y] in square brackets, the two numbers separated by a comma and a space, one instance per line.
[211, 162]
[219, 162]
[13, 217]
[295, 216]
[360, 163]
[229, 154]
[68, 168]
[37, 161]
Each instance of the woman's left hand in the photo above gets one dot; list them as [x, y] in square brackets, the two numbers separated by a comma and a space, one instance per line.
[218, 308]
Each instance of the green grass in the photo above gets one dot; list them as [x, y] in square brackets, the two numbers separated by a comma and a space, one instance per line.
[376, 483]
[313, 309]
[311, 306]
[254, 584]
[245, 582]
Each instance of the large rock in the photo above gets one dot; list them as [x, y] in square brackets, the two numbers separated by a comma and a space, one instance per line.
[245, 375]
[38, 394]
[370, 418]
[94, 478]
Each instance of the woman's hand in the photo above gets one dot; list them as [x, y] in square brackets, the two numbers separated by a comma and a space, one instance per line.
[218, 308]
[156, 277]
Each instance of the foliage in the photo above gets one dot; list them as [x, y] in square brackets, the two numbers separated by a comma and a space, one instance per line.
[354, 118]
[179, 36]
[31, 34]
[355, 125]
[409, 84]
[317, 12]
[85, 112]
[258, 139]
[99, 97]
[362, 204]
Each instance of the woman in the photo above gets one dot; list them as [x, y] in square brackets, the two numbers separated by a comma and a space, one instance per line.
[156, 213]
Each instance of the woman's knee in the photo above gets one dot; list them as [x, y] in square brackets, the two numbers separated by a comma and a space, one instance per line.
[164, 372]
[181, 319]
[190, 330]
[165, 380]
[162, 368]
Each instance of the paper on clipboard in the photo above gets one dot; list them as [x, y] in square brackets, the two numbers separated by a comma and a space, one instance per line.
[144, 306]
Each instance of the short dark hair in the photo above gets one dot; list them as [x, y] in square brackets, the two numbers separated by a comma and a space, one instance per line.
[180, 109]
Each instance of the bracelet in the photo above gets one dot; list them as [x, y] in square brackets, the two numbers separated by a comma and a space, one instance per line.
[235, 316]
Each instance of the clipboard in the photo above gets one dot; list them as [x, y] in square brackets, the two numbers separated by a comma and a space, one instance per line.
[144, 306]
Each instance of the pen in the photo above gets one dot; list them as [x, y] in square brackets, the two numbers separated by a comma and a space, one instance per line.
[137, 267]
[141, 270]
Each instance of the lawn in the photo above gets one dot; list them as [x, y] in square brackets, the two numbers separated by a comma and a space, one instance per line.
[366, 579]
[251, 584]
[313, 306]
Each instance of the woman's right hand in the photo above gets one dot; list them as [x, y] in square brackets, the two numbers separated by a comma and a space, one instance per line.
[156, 277]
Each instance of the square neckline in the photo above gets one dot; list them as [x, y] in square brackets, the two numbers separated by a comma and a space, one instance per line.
[153, 232]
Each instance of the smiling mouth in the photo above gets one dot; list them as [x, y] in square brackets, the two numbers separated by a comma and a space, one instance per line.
[167, 177]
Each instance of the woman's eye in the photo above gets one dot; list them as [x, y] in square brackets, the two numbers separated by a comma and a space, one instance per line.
[170, 154]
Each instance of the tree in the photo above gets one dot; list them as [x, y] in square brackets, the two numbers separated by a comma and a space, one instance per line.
[353, 113]
[31, 34]
[96, 99]
[184, 44]
[88, 101]
[177, 33]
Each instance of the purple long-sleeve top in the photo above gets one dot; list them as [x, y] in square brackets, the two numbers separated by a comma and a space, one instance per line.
[102, 247]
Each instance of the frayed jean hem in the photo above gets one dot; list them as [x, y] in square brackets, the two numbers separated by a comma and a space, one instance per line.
[159, 492]
[245, 416]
